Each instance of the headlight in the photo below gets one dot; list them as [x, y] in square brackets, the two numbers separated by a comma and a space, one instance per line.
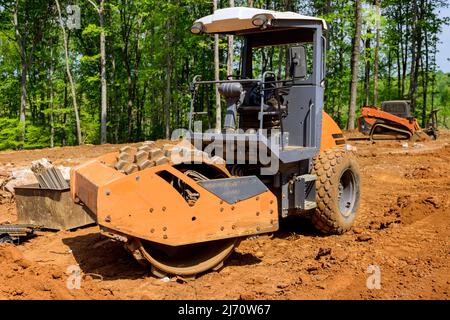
[259, 20]
[198, 28]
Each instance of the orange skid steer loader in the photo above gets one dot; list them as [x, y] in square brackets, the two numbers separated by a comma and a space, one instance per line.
[184, 206]
[394, 121]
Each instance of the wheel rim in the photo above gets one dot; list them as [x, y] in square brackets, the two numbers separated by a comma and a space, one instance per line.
[347, 193]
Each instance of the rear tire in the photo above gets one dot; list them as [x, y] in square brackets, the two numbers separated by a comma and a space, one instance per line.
[337, 191]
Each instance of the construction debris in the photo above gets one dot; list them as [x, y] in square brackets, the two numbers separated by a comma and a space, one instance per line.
[19, 177]
[9, 233]
[48, 176]
[50, 209]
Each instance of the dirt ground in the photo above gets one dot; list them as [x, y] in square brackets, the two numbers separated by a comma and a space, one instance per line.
[403, 228]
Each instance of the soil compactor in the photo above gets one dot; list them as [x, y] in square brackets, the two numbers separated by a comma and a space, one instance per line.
[184, 206]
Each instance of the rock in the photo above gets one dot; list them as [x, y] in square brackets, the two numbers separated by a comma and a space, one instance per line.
[20, 177]
[433, 201]
[17, 292]
[41, 165]
[312, 269]
[357, 230]
[259, 254]
[321, 286]
[24, 263]
[283, 285]
[246, 296]
[323, 252]
[5, 197]
[57, 274]
[363, 237]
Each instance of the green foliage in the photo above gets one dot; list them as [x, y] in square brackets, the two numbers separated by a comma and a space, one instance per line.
[9, 133]
[146, 40]
[36, 136]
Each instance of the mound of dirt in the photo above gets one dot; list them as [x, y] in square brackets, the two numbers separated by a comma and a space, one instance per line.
[21, 278]
[409, 209]
[423, 172]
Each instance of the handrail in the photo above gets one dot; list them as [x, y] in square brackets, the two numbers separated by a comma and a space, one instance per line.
[227, 81]
[263, 88]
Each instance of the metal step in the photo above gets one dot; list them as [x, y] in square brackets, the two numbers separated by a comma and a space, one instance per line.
[305, 192]
[309, 205]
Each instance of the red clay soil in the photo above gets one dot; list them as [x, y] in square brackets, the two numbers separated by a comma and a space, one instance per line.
[403, 227]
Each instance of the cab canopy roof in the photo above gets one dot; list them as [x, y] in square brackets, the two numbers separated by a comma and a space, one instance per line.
[242, 20]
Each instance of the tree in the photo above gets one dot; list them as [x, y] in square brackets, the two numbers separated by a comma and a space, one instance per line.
[217, 76]
[28, 25]
[230, 57]
[354, 65]
[416, 52]
[377, 52]
[69, 74]
[103, 118]
[150, 56]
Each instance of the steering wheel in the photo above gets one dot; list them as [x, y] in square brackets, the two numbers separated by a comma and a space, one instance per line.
[253, 95]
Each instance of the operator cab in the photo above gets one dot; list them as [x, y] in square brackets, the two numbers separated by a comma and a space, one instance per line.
[281, 72]
[289, 65]
[399, 108]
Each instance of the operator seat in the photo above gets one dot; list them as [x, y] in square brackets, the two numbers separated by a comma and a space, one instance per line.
[251, 106]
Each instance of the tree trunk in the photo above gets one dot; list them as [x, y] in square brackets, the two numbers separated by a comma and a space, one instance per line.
[405, 47]
[52, 124]
[23, 76]
[367, 68]
[168, 96]
[354, 66]
[217, 77]
[398, 56]
[415, 57]
[230, 49]
[69, 75]
[389, 79]
[23, 101]
[103, 132]
[169, 85]
[376, 55]
[66, 104]
[425, 69]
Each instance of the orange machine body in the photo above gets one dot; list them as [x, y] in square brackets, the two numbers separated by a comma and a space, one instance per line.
[373, 114]
[332, 135]
[146, 206]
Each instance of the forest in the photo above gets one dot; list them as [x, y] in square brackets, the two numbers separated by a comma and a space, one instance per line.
[114, 71]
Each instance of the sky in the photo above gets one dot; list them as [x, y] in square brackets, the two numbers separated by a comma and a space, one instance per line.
[443, 56]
